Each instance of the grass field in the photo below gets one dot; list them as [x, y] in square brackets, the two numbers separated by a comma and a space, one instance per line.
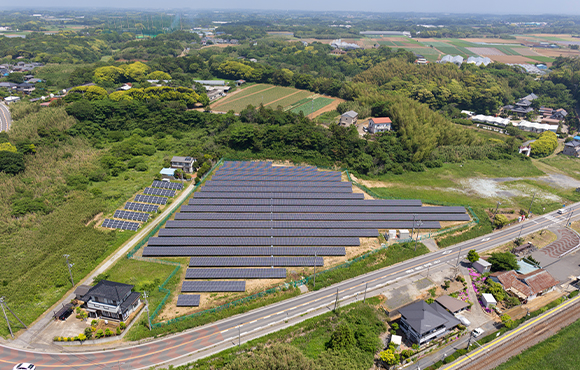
[312, 106]
[570, 166]
[556, 353]
[542, 59]
[268, 95]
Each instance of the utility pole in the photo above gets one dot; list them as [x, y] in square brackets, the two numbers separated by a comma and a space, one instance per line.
[314, 283]
[239, 336]
[495, 212]
[2, 304]
[469, 342]
[147, 309]
[568, 223]
[530, 209]
[365, 297]
[413, 231]
[520, 234]
[458, 255]
[419, 223]
[336, 302]
[69, 265]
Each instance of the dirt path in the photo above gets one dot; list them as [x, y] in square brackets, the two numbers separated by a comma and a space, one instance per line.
[330, 107]
[242, 97]
[284, 97]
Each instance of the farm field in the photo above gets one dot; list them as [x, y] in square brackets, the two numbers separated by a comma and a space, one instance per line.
[272, 96]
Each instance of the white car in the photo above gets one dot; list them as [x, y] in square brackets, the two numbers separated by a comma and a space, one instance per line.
[477, 332]
[24, 366]
[562, 211]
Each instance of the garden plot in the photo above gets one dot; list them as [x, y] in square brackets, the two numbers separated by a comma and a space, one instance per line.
[486, 51]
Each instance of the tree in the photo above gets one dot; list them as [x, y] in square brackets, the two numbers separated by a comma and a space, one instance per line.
[82, 337]
[388, 357]
[8, 147]
[503, 261]
[11, 163]
[158, 75]
[545, 145]
[342, 337]
[496, 290]
[472, 256]
[500, 221]
[507, 321]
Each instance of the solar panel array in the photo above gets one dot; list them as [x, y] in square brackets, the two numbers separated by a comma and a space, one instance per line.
[162, 192]
[242, 251]
[141, 207]
[260, 273]
[150, 199]
[135, 216]
[255, 261]
[123, 225]
[188, 300]
[167, 185]
[253, 216]
[213, 286]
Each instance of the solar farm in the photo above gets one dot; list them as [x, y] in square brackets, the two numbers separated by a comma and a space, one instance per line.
[254, 220]
[157, 194]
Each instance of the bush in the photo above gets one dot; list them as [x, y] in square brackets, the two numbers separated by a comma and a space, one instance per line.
[573, 294]
[461, 327]
[118, 331]
[89, 332]
[415, 346]
[99, 333]
[122, 325]
[141, 167]
[94, 323]
[449, 359]
[108, 332]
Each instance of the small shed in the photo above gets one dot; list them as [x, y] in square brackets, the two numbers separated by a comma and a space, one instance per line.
[404, 234]
[482, 266]
[81, 290]
[396, 340]
[392, 234]
[168, 173]
[488, 300]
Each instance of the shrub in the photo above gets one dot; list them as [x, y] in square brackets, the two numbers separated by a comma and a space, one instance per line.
[395, 326]
[415, 346]
[94, 323]
[108, 332]
[429, 300]
[118, 331]
[142, 167]
[449, 359]
[122, 325]
[99, 333]
[573, 294]
[461, 327]
[88, 332]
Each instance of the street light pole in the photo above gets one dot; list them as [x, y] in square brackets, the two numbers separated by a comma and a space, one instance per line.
[147, 309]
[419, 223]
[69, 265]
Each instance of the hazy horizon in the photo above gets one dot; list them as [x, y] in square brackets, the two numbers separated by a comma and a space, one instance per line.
[490, 7]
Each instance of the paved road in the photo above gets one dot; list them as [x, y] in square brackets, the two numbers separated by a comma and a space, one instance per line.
[225, 333]
[5, 118]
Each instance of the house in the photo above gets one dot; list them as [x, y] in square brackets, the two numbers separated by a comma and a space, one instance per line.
[559, 114]
[183, 163]
[211, 82]
[525, 287]
[551, 121]
[422, 322]
[488, 300]
[26, 88]
[8, 85]
[576, 138]
[338, 52]
[482, 266]
[215, 94]
[125, 87]
[451, 304]
[421, 61]
[535, 126]
[524, 249]
[379, 124]
[545, 111]
[572, 149]
[111, 300]
[167, 173]
[348, 118]
[11, 99]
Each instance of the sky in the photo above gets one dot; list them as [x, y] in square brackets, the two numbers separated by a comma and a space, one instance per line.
[570, 7]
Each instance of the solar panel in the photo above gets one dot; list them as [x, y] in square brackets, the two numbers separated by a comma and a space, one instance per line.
[162, 192]
[242, 251]
[321, 209]
[235, 195]
[167, 185]
[306, 184]
[135, 216]
[317, 177]
[246, 164]
[321, 216]
[260, 273]
[150, 199]
[141, 207]
[305, 202]
[116, 224]
[252, 241]
[188, 300]
[255, 261]
[359, 233]
[274, 189]
[213, 286]
[301, 224]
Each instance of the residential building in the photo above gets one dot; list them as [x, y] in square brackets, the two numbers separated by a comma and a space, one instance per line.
[111, 300]
[11, 99]
[183, 163]
[168, 173]
[576, 138]
[535, 126]
[379, 124]
[572, 149]
[551, 121]
[526, 287]
[524, 249]
[488, 300]
[26, 88]
[338, 52]
[559, 114]
[482, 266]
[81, 291]
[348, 118]
[422, 322]
[545, 111]
[451, 304]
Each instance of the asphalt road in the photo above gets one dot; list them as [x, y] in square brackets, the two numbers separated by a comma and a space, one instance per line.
[225, 333]
[5, 118]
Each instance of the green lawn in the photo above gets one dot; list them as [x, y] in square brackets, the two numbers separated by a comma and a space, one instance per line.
[559, 352]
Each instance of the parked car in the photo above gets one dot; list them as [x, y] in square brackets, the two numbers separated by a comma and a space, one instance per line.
[477, 332]
[463, 320]
[63, 316]
[24, 366]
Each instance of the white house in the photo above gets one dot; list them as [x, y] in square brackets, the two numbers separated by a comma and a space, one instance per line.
[379, 124]
[111, 300]
[183, 163]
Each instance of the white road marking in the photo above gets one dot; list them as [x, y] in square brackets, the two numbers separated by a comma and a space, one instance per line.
[408, 271]
[485, 239]
[436, 262]
[418, 268]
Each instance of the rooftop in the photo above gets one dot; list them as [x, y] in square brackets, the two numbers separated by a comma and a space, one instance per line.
[422, 317]
[108, 289]
[450, 303]
[351, 114]
[182, 159]
[381, 120]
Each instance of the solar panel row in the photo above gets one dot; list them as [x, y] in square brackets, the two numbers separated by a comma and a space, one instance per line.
[275, 189]
[260, 273]
[213, 286]
[135, 216]
[246, 164]
[301, 224]
[188, 300]
[162, 192]
[322, 209]
[271, 170]
[141, 207]
[297, 179]
[251, 241]
[305, 202]
[321, 216]
[359, 233]
[306, 184]
[242, 251]
[255, 261]
[123, 225]
[216, 195]
[167, 185]
[150, 199]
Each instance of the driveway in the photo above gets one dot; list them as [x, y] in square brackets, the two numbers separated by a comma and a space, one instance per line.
[559, 258]
[476, 315]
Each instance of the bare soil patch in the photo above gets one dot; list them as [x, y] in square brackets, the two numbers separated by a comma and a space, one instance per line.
[528, 52]
[486, 51]
[558, 52]
[511, 59]
[98, 217]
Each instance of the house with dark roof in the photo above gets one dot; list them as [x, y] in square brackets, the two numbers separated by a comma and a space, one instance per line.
[183, 163]
[559, 114]
[451, 304]
[526, 287]
[111, 300]
[348, 118]
[572, 149]
[422, 322]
